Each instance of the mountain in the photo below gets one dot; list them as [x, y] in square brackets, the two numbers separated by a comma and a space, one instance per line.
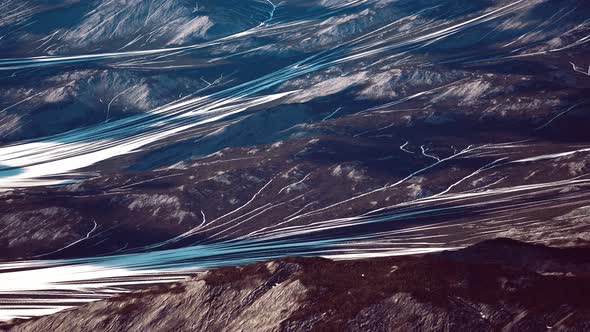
[144, 141]
[497, 285]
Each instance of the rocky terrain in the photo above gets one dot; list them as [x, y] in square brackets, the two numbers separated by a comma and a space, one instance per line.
[144, 141]
[498, 285]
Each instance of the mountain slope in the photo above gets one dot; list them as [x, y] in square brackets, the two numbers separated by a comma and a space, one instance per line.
[496, 285]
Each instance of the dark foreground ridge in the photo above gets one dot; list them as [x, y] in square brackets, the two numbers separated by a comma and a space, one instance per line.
[496, 285]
